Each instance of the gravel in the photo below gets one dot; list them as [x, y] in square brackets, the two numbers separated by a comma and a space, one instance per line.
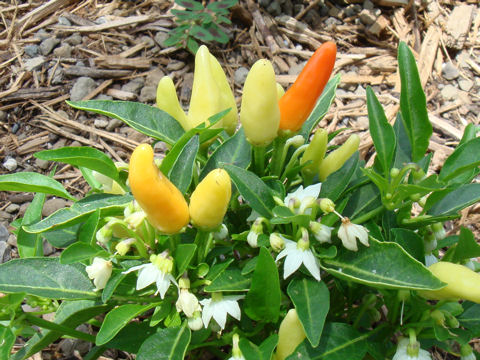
[3, 233]
[240, 75]
[82, 87]
[47, 45]
[10, 164]
[449, 71]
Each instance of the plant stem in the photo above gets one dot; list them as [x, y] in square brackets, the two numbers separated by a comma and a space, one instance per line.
[278, 156]
[259, 160]
[368, 216]
[201, 240]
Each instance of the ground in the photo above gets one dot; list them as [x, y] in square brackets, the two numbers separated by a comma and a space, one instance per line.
[52, 51]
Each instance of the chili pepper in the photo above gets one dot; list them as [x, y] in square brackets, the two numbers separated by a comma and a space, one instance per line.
[205, 99]
[227, 100]
[300, 99]
[167, 100]
[315, 152]
[462, 283]
[259, 112]
[209, 200]
[338, 157]
[280, 91]
[290, 335]
[163, 203]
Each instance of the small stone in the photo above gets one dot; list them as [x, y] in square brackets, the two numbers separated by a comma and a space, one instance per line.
[367, 17]
[47, 45]
[449, 92]
[83, 86]
[274, 8]
[134, 85]
[147, 39]
[175, 65]
[10, 164]
[12, 240]
[264, 3]
[367, 4]
[3, 115]
[20, 198]
[465, 84]
[104, 97]
[148, 94]
[154, 77]
[360, 91]
[4, 234]
[74, 39]
[34, 63]
[62, 20]
[100, 123]
[48, 249]
[449, 71]
[12, 208]
[297, 68]
[52, 205]
[132, 134]
[352, 10]
[64, 51]
[241, 75]
[160, 38]
[362, 122]
[23, 208]
[5, 250]
[41, 34]
[42, 164]
[75, 144]
[31, 50]
[58, 76]
[113, 124]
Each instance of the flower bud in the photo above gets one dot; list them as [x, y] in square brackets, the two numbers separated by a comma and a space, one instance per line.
[277, 242]
[100, 271]
[466, 353]
[104, 234]
[195, 322]
[123, 246]
[321, 232]
[338, 157]
[187, 302]
[167, 100]
[327, 205]
[221, 233]
[394, 172]
[439, 231]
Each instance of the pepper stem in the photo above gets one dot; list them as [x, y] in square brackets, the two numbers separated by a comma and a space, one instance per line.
[278, 155]
[203, 243]
[259, 160]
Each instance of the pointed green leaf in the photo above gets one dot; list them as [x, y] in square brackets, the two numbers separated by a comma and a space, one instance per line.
[250, 351]
[182, 170]
[7, 340]
[33, 182]
[229, 280]
[81, 251]
[183, 255]
[464, 158]
[338, 181]
[88, 230]
[456, 200]
[467, 247]
[403, 151]
[30, 245]
[411, 242]
[166, 344]
[190, 4]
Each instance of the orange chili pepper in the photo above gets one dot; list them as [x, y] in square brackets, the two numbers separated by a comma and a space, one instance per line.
[298, 102]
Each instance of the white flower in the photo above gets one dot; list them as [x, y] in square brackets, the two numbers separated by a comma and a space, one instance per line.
[470, 356]
[221, 233]
[218, 306]
[298, 253]
[322, 233]
[466, 352]
[430, 259]
[349, 232]
[302, 199]
[407, 352]
[255, 230]
[158, 271]
[100, 271]
[195, 322]
[123, 246]
[187, 302]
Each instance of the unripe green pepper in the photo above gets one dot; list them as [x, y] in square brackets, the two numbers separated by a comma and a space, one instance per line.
[338, 157]
[209, 201]
[167, 100]
[290, 335]
[259, 113]
[315, 152]
[462, 283]
[163, 203]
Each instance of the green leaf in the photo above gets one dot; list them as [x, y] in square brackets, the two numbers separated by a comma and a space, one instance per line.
[338, 181]
[252, 189]
[182, 170]
[112, 284]
[321, 108]
[381, 131]
[169, 160]
[201, 34]
[46, 277]
[80, 251]
[33, 182]
[192, 45]
[217, 34]
[146, 119]
[363, 200]
[229, 280]
[250, 351]
[312, 302]
[71, 314]
[62, 238]
[117, 319]
[470, 318]
[464, 158]
[339, 342]
[403, 151]
[31, 244]
[467, 247]
[456, 200]
[234, 151]
[413, 104]
[131, 337]
[166, 344]
[183, 255]
[221, 5]
[7, 340]
[82, 156]
[107, 203]
[87, 231]
[262, 302]
[411, 242]
[373, 266]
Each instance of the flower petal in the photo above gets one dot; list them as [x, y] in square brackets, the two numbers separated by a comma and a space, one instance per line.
[311, 264]
[233, 308]
[163, 283]
[135, 268]
[348, 240]
[312, 190]
[292, 263]
[207, 312]
[220, 313]
[148, 275]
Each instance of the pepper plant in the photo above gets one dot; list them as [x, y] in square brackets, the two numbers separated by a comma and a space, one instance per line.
[257, 241]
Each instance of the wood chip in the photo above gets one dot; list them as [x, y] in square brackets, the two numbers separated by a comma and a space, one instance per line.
[118, 62]
[428, 53]
[94, 72]
[33, 145]
[458, 25]
[108, 25]
[121, 95]
[99, 89]
[35, 94]
[40, 12]
[445, 127]
[378, 26]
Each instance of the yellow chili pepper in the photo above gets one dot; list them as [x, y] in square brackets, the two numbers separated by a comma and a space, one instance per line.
[338, 157]
[280, 91]
[260, 113]
[227, 100]
[167, 100]
[315, 152]
[290, 335]
[205, 100]
[209, 200]
[163, 203]
[462, 283]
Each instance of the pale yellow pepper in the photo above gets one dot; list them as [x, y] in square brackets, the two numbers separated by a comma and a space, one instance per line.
[167, 100]
[315, 153]
[290, 335]
[163, 203]
[209, 200]
[462, 283]
[280, 91]
[259, 112]
[338, 157]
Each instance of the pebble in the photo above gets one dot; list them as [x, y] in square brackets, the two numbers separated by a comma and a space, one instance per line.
[41, 34]
[5, 252]
[175, 65]
[12, 208]
[148, 94]
[74, 39]
[160, 38]
[62, 20]
[52, 205]
[134, 85]
[12, 241]
[34, 63]
[132, 134]
[104, 97]
[42, 164]
[113, 124]
[154, 78]
[23, 208]
[367, 17]
[352, 10]
[20, 198]
[147, 39]
[367, 4]
[64, 51]
[297, 68]
[3, 115]
[100, 123]
[10, 164]
[449, 71]
[240, 75]
[362, 122]
[48, 249]
[465, 84]
[31, 50]
[82, 87]
[47, 45]
[58, 76]
[3, 233]
[449, 92]
[360, 91]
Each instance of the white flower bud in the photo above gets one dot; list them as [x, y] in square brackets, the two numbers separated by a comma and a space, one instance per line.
[195, 322]
[100, 271]
[187, 302]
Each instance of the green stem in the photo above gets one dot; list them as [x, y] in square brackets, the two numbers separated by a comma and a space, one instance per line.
[44, 324]
[259, 160]
[293, 161]
[137, 299]
[278, 156]
[201, 240]
[368, 216]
